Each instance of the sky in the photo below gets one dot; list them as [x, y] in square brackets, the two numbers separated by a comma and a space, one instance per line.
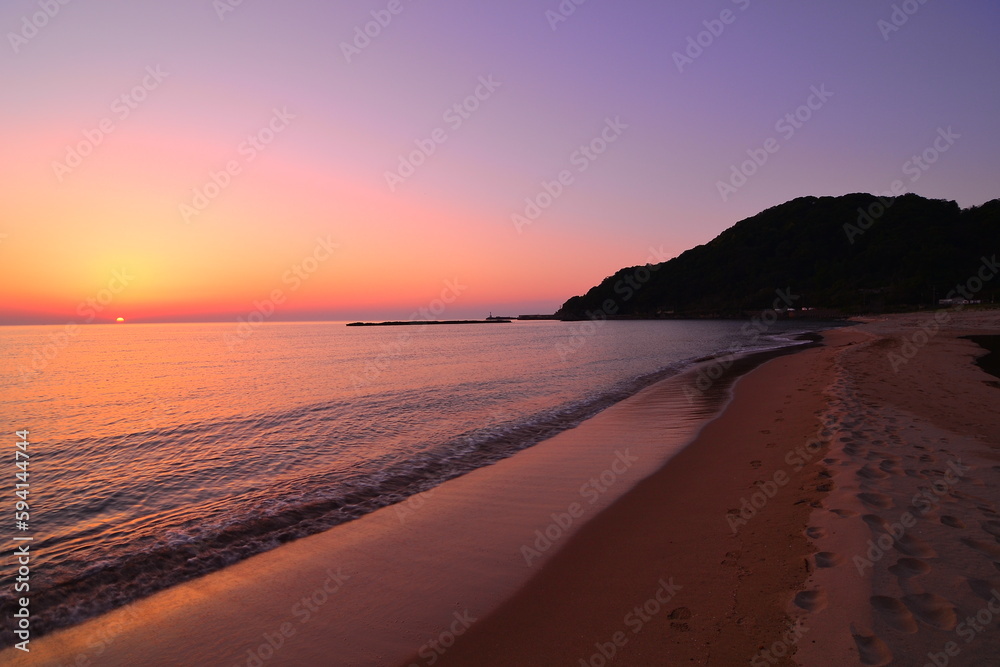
[204, 160]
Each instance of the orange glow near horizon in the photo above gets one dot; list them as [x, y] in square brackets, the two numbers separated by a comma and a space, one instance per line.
[180, 191]
[113, 239]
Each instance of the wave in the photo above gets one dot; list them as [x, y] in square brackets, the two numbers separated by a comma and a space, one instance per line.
[184, 543]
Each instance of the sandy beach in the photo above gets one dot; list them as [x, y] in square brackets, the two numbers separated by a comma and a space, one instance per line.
[818, 457]
[762, 541]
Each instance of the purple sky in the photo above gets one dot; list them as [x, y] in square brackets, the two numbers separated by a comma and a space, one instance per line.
[657, 185]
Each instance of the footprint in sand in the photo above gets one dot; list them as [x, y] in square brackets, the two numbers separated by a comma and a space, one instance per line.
[932, 609]
[875, 521]
[991, 549]
[679, 614]
[894, 613]
[827, 559]
[815, 532]
[914, 546]
[814, 600]
[907, 568]
[889, 467]
[731, 559]
[876, 500]
[991, 527]
[867, 472]
[677, 618]
[756, 464]
[845, 514]
[952, 521]
[982, 589]
[872, 650]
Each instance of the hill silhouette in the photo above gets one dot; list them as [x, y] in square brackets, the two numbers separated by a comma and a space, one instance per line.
[850, 254]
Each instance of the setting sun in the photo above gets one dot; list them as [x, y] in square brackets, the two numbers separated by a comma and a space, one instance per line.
[120, 319]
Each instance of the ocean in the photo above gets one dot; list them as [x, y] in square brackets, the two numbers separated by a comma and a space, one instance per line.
[161, 452]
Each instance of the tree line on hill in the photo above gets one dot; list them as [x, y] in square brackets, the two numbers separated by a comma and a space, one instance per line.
[839, 255]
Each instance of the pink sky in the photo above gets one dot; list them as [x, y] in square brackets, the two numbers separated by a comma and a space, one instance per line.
[168, 101]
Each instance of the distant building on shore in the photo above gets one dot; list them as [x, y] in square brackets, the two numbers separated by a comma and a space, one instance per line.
[958, 302]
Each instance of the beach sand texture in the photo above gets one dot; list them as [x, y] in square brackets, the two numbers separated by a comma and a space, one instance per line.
[796, 583]
[761, 542]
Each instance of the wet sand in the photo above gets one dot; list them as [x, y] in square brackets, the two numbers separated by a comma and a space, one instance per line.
[408, 577]
[602, 597]
[799, 581]
[741, 547]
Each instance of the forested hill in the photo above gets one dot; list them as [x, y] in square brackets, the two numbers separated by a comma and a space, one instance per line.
[853, 253]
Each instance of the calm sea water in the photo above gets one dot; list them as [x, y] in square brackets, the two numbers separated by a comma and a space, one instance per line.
[161, 452]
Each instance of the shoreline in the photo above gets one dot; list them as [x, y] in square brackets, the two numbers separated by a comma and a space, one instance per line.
[786, 587]
[582, 607]
[579, 413]
[446, 557]
[665, 543]
[734, 361]
[406, 323]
